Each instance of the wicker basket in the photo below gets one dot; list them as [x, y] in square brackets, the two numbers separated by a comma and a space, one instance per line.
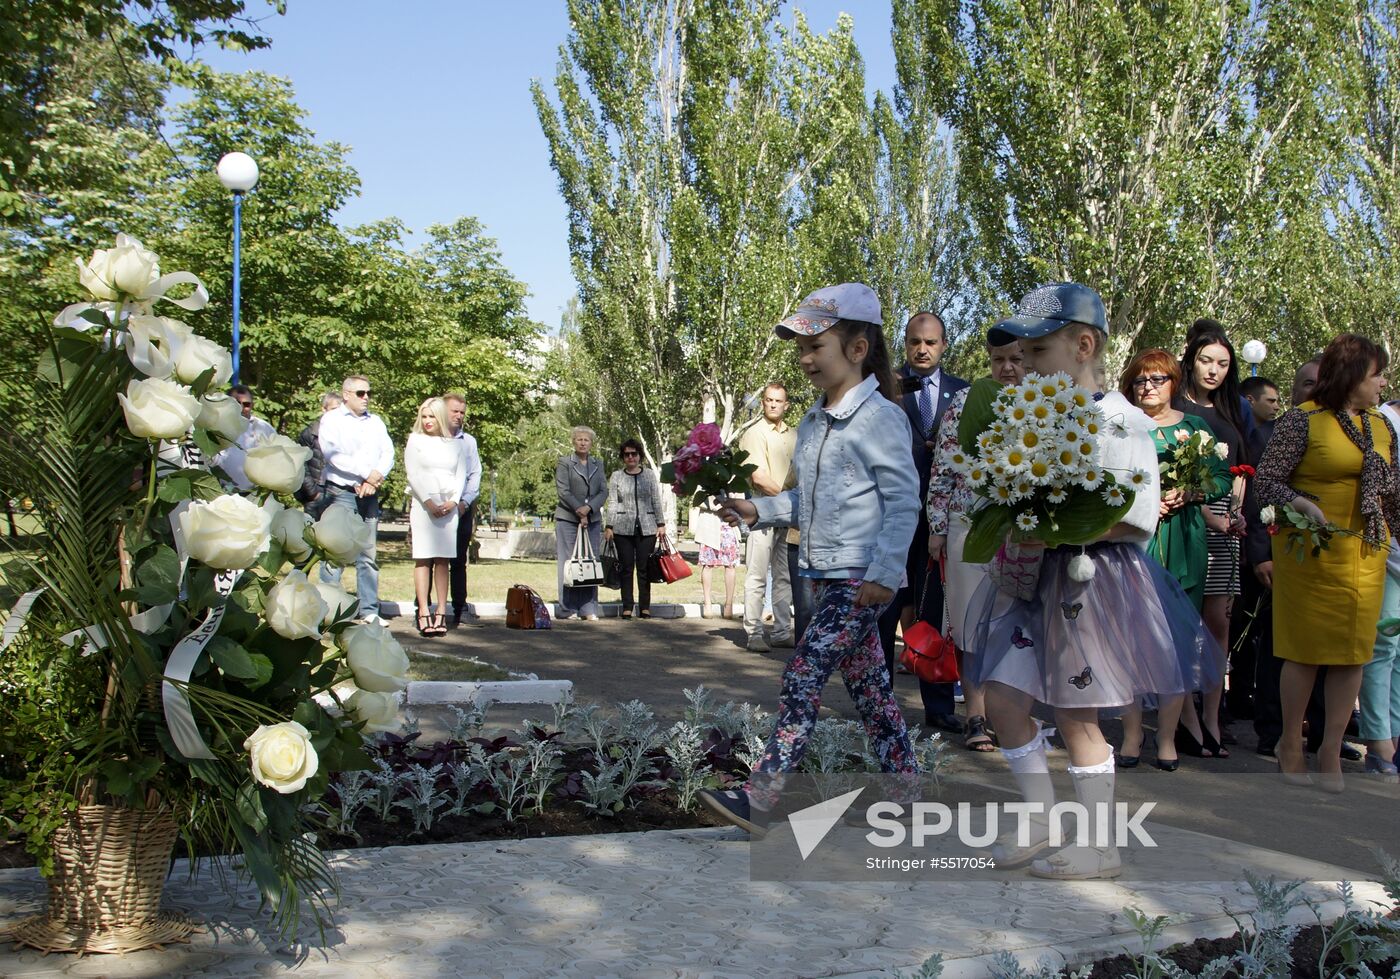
[110, 864]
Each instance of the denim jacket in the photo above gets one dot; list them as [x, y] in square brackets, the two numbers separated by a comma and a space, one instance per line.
[857, 496]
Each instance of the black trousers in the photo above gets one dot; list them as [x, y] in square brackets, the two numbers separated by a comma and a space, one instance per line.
[457, 567]
[632, 555]
[937, 697]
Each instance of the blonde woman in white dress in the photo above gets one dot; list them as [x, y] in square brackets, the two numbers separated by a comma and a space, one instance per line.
[437, 472]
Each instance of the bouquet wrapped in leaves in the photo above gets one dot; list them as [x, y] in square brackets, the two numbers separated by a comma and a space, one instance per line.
[706, 467]
[1029, 452]
[1195, 465]
[173, 642]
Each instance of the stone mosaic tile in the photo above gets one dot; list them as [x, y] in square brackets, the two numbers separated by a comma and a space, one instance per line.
[655, 904]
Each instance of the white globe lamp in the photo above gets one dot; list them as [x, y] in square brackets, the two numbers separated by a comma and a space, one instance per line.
[1253, 353]
[238, 172]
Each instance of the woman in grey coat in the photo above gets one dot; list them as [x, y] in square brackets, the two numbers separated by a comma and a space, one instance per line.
[582, 492]
[632, 516]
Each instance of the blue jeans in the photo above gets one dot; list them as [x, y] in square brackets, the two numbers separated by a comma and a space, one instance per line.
[1380, 678]
[366, 567]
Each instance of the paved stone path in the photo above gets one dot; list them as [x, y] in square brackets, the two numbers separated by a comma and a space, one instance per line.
[682, 903]
[656, 904]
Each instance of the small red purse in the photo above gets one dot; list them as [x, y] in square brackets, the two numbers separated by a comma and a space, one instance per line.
[673, 566]
[928, 654]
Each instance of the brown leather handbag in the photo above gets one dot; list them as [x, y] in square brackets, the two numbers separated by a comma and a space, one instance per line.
[524, 609]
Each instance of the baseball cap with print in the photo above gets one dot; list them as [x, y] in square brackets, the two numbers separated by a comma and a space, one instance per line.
[819, 312]
[1051, 307]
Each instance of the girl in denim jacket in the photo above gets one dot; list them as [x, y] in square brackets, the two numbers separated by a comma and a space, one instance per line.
[856, 503]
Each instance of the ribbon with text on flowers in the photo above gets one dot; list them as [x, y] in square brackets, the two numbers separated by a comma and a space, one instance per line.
[179, 718]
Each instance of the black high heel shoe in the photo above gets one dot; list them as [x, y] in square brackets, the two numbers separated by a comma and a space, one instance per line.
[1167, 766]
[1216, 749]
[424, 623]
[1187, 744]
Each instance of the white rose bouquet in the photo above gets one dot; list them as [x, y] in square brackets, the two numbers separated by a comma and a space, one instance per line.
[1030, 451]
[177, 639]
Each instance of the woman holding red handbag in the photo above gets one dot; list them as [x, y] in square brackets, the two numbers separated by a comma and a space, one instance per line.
[949, 498]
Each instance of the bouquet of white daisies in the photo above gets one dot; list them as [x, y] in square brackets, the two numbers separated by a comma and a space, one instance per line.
[1030, 451]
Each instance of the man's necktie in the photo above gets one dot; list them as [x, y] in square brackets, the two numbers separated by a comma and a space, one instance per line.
[926, 406]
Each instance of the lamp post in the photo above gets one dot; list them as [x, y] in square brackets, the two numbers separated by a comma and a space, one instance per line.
[239, 173]
[1253, 354]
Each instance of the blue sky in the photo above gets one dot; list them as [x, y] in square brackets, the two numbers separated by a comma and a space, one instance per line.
[432, 97]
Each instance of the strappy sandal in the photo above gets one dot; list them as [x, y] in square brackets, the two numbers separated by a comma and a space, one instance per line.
[424, 622]
[977, 738]
[438, 626]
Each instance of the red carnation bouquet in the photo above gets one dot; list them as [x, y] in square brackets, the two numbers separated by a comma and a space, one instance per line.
[707, 467]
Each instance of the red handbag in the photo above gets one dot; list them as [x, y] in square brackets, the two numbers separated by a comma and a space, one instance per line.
[673, 566]
[928, 654]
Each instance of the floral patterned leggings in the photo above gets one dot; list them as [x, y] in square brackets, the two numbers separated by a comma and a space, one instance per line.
[845, 637]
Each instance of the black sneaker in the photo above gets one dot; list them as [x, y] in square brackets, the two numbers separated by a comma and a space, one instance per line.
[732, 805]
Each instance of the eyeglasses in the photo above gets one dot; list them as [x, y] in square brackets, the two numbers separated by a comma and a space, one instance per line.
[1156, 380]
[634, 455]
[363, 394]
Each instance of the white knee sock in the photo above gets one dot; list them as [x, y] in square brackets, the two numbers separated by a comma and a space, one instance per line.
[1094, 786]
[1032, 773]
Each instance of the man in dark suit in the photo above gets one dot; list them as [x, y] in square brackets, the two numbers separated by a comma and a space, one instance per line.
[927, 392]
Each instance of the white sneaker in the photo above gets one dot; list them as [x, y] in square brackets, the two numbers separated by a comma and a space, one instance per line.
[372, 620]
[1079, 863]
[757, 644]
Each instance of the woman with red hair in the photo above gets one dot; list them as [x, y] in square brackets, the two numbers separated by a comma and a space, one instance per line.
[1150, 381]
[1332, 459]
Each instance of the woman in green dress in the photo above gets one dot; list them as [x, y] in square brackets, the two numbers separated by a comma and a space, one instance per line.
[1149, 381]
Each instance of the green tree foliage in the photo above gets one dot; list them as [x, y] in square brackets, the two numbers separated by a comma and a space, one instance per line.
[1160, 152]
[921, 235]
[319, 301]
[713, 165]
[38, 42]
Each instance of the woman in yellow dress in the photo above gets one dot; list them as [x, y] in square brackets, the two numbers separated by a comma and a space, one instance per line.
[1332, 459]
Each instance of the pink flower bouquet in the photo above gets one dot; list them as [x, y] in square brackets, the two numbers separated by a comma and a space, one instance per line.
[706, 467]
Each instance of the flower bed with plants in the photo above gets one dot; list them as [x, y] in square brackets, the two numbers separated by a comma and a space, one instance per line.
[584, 770]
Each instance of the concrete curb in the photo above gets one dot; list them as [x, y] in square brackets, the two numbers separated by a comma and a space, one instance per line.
[438, 692]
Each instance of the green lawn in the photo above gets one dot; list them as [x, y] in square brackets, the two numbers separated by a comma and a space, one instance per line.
[488, 579]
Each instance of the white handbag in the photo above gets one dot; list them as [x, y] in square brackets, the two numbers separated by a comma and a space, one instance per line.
[583, 569]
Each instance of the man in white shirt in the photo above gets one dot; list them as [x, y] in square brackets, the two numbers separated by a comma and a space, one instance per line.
[232, 458]
[457, 568]
[358, 456]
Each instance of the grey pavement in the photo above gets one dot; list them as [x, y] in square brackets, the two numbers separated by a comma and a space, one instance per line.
[683, 903]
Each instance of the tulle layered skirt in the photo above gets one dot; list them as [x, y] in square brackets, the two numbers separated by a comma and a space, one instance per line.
[1127, 633]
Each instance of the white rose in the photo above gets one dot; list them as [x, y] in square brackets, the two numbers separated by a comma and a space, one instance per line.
[295, 609]
[1221, 450]
[1182, 435]
[375, 657]
[337, 600]
[281, 756]
[288, 527]
[220, 414]
[154, 342]
[342, 534]
[126, 268]
[1266, 516]
[197, 355]
[275, 462]
[158, 409]
[226, 533]
[378, 711]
